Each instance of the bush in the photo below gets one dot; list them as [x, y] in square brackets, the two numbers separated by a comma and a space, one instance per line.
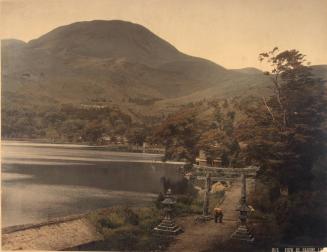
[149, 218]
[182, 209]
[187, 204]
[107, 223]
[185, 199]
[127, 229]
[197, 206]
[131, 217]
[123, 239]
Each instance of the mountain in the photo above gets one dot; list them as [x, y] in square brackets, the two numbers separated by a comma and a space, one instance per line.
[88, 78]
[112, 61]
[320, 71]
[115, 63]
[108, 39]
[249, 70]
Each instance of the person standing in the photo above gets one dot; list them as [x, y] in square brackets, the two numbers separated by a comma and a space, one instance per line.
[218, 214]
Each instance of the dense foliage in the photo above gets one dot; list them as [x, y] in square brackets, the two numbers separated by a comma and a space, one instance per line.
[67, 123]
[219, 140]
[208, 126]
[179, 134]
[286, 136]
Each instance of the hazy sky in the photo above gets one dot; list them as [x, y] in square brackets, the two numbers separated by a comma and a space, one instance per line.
[229, 32]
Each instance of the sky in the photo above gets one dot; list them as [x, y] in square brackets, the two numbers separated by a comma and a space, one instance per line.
[229, 32]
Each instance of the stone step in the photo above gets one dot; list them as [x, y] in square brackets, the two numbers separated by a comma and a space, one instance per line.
[242, 233]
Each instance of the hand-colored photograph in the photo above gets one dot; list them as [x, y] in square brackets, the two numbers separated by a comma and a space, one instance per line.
[176, 125]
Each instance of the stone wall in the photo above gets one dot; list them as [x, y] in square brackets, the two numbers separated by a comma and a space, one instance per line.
[57, 234]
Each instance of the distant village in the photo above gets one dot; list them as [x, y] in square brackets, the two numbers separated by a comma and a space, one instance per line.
[122, 143]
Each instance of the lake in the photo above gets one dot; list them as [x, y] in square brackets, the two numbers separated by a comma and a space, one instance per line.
[44, 181]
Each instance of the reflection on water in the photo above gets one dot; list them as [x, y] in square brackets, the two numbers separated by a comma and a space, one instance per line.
[41, 182]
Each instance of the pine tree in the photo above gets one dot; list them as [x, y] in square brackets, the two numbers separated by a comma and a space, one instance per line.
[285, 136]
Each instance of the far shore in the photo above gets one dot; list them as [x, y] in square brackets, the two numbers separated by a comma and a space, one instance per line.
[110, 148]
[29, 141]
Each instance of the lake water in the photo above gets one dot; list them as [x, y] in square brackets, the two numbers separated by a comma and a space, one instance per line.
[43, 181]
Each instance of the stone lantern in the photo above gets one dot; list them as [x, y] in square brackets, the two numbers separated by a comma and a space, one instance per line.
[242, 232]
[167, 226]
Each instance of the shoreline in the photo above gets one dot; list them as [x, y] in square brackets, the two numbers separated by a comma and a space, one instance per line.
[125, 148]
[108, 148]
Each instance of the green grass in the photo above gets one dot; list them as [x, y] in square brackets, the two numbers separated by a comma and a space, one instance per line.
[127, 229]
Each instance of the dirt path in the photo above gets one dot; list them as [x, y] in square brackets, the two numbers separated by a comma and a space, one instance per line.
[199, 237]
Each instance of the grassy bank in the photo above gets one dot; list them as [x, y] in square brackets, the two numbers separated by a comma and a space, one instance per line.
[125, 228]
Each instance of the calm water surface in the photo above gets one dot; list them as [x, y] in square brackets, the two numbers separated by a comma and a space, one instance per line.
[43, 181]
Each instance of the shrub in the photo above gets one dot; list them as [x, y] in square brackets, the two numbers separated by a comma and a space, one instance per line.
[149, 218]
[185, 199]
[131, 217]
[127, 229]
[107, 223]
[123, 238]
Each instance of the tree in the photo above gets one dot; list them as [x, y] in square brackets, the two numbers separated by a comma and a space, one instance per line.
[297, 110]
[138, 135]
[93, 131]
[219, 140]
[179, 134]
[285, 135]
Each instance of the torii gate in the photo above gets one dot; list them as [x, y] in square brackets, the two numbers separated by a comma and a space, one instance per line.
[215, 174]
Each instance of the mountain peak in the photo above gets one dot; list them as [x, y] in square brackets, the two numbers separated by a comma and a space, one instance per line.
[113, 61]
[108, 39]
